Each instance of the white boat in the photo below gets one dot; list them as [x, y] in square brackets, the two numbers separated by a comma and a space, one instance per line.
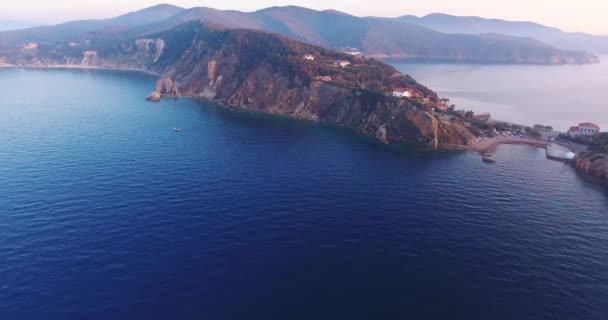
[488, 159]
[177, 129]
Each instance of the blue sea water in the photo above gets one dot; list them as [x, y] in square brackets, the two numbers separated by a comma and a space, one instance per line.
[107, 213]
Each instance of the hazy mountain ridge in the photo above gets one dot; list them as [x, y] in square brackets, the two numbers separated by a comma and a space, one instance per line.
[86, 29]
[9, 25]
[375, 37]
[476, 25]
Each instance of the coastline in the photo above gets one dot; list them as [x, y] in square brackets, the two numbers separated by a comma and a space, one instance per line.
[486, 146]
[75, 67]
[490, 145]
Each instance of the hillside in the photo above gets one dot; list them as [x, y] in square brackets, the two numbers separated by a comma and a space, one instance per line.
[265, 72]
[477, 25]
[75, 31]
[375, 37]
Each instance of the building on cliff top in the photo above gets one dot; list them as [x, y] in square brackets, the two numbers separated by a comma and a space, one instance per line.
[31, 46]
[403, 93]
[586, 129]
[444, 104]
[486, 117]
[309, 57]
[342, 63]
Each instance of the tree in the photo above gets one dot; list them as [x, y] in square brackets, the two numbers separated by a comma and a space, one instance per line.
[533, 132]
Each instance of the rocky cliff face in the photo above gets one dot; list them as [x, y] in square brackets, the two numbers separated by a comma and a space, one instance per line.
[593, 165]
[268, 73]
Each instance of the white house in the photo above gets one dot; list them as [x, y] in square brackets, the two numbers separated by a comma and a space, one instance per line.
[31, 46]
[586, 129]
[402, 93]
[309, 57]
[343, 63]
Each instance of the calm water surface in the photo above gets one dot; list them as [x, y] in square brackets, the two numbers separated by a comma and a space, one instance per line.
[107, 213]
[561, 96]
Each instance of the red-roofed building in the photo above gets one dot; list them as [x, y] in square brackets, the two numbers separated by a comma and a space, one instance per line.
[587, 129]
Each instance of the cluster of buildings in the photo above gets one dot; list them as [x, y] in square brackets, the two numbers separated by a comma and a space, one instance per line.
[338, 63]
[342, 63]
[584, 129]
[443, 104]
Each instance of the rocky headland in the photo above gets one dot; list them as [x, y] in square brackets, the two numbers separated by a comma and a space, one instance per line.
[264, 72]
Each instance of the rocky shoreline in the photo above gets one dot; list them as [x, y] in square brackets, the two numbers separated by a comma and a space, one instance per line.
[592, 165]
[268, 73]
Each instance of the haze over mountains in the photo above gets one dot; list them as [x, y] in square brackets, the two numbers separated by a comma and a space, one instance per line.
[6, 25]
[475, 25]
[375, 37]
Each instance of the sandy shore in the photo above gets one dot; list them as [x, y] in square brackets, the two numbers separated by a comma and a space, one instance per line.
[490, 144]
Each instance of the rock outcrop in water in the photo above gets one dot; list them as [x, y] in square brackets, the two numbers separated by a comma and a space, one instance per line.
[264, 72]
[593, 165]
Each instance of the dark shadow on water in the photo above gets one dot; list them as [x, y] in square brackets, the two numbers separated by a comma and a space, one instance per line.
[256, 119]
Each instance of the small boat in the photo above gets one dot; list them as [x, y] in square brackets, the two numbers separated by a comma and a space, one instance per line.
[177, 129]
[488, 159]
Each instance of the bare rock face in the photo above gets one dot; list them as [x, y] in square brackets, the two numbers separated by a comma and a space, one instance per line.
[593, 165]
[266, 73]
[166, 86]
[155, 96]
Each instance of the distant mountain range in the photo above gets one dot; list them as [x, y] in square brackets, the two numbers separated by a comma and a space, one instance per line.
[87, 29]
[476, 26]
[7, 25]
[375, 37]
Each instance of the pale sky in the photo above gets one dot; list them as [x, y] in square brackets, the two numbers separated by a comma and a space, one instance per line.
[589, 16]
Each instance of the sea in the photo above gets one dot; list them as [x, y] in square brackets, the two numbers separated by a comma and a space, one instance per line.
[557, 96]
[107, 212]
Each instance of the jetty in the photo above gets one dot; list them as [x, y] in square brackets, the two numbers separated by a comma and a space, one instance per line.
[559, 152]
